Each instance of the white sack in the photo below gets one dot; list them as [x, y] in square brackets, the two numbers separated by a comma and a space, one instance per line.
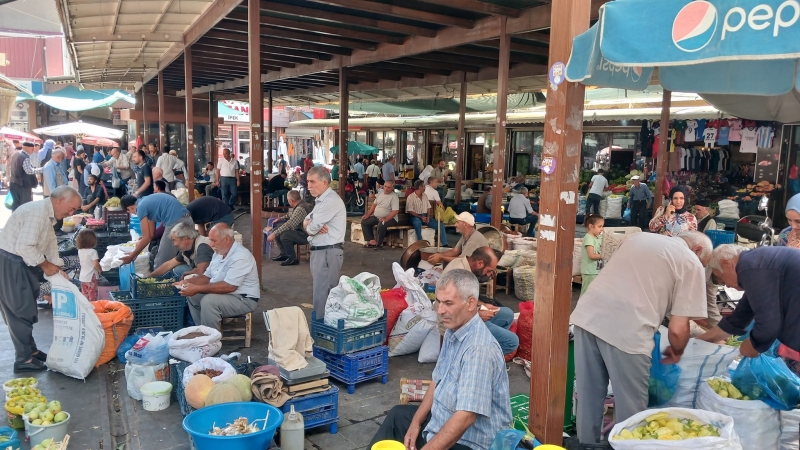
[576, 257]
[416, 321]
[356, 300]
[727, 440]
[700, 360]
[429, 351]
[209, 363]
[191, 350]
[790, 430]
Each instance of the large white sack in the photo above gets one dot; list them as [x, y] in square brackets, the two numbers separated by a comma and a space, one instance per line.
[727, 440]
[190, 350]
[757, 425]
[700, 360]
[416, 321]
[78, 336]
[614, 208]
[429, 351]
[356, 300]
[790, 430]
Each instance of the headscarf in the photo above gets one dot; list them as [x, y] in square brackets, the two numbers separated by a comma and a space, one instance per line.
[793, 204]
[685, 192]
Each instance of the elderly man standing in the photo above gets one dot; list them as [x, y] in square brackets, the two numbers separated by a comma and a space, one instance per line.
[22, 175]
[418, 206]
[228, 177]
[388, 170]
[769, 278]
[27, 248]
[326, 225]
[470, 240]
[521, 212]
[166, 162]
[229, 287]
[194, 253]
[152, 209]
[639, 201]
[53, 174]
[122, 164]
[382, 214]
[467, 402]
[372, 173]
[618, 316]
[291, 232]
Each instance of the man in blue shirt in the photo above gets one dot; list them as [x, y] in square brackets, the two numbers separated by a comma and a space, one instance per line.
[359, 168]
[467, 402]
[388, 169]
[156, 208]
[639, 202]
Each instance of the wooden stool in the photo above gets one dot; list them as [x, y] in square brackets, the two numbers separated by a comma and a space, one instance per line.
[520, 228]
[307, 248]
[506, 286]
[489, 285]
[233, 327]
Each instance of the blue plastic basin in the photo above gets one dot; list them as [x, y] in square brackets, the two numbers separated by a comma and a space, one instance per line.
[200, 422]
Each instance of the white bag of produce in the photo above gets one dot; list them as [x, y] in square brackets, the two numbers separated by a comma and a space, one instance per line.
[790, 430]
[218, 364]
[727, 439]
[193, 348]
[757, 425]
[700, 360]
[429, 351]
[614, 207]
[78, 336]
[137, 375]
[150, 349]
[576, 257]
[357, 300]
[416, 321]
[728, 209]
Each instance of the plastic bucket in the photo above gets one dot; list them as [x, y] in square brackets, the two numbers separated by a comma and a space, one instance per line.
[200, 422]
[155, 395]
[388, 445]
[56, 432]
[8, 389]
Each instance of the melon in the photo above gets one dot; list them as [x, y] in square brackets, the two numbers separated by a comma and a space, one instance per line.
[223, 393]
[242, 383]
[197, 390]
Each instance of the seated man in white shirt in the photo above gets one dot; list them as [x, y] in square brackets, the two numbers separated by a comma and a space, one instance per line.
[432, 191]
[229, 287]
[521, 213]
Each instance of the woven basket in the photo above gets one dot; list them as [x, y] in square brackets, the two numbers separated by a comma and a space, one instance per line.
[524, 278]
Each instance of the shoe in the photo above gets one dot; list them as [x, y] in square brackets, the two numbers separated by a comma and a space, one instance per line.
[41, 356]
[34, 366]
[290, 262]
[280, 258]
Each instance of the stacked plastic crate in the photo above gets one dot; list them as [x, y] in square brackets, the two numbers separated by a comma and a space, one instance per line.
[155, 302]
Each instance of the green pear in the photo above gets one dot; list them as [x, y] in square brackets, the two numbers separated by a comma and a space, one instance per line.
[60, 417]
[29, 407]
[37, 422]
[33, 415]
[48, 416]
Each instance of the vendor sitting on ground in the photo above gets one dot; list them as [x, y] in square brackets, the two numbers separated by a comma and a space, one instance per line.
[382, 214]
[768, 276]
[291, 232]
[209, 211]
[194, 253]
[467, 402]
[470, 240]
[95, 195]
[616, 319]
[229, 287]
[482, 263]
[152, 209]
[521, 213]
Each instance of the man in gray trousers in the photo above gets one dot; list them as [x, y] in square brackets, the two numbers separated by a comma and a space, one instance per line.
[616, 319]
[325, 226]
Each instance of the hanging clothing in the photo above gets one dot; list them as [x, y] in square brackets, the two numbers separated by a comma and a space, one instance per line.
[723, 133]
[749, 140]
[691, 131]
[735, 134]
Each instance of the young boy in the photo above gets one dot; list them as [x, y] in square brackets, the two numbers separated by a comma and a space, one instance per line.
[591, 261]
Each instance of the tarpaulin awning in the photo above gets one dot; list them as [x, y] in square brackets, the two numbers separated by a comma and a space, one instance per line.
[80, 129]
[720, 47]
[72, 98]
[356, 148]
[10, 133]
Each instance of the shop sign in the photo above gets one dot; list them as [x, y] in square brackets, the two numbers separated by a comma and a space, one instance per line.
[767, 164]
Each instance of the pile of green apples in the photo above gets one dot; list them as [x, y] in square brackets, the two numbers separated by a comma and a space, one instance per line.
[40, 414]
[20, 382]
[46, 444]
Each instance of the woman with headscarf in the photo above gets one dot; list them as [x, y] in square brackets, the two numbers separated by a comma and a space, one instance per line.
[790, 236]
[676, 218]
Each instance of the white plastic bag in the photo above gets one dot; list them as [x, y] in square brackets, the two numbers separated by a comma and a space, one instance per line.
[137, 375]
[150, 349]
[757, 425]
[113, 259]
[416, 321]
[790, 430]
[613, 208]
[576, 256]
[78, 336]
[218, 364]
[195, 348]
[430, 348]
[356, 300]
[727, 440]
[700, 360]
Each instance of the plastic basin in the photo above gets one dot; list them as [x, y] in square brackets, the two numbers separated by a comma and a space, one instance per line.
[200, 422]
[56, 432]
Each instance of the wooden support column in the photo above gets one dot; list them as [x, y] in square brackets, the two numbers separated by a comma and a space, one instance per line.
[33, 113]
[556, 234]
[256, 125]
[211, 145]
[663, 145]
[191, 151]
[462, 137]
[162, 126]
[499, 148]
[268, 169]
[344, 103]
[146, 135]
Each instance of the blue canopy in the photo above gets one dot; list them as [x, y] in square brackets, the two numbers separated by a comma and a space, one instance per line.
[356, 148]
[711, 47]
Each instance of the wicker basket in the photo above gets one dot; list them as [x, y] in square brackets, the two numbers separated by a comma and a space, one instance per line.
[524, 279]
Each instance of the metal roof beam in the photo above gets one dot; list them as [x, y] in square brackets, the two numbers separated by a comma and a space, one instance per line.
[233, 25]
[283, 43]
[96, 38]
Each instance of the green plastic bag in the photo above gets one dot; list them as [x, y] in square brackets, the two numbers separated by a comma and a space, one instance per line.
[9, 201]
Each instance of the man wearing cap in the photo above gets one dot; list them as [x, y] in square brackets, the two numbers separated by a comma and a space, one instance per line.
[705, 221]
[639, 201]
[22, 175]
[470, 240]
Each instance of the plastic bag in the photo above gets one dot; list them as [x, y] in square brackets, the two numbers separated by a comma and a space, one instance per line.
[192, 349]
[217, 364]
[150, 349]
[137, 375]
[767, 378]
[525, 330]
[78, 336]
[626, 216]
[700, 361]
[126, 345]
[394, 302]
[116, 319]
[663, 377]
[356, 300]
[727, 439]
[416, 320]
[790, 430]
[9, 200]
[512, 440]
[757, 425]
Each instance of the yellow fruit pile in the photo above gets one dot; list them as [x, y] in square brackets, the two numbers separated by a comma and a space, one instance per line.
[726, 389]
[664, 428]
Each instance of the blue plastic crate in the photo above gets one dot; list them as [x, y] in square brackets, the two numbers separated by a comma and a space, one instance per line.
[730, 223]
[721, 237]
[317, 409]
[165, 312]
[176, 378]
[356, 367]
[339, 340]
[482, 218]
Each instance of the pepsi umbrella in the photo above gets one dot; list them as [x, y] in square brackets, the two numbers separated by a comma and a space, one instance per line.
[356, 148]
[718, 48]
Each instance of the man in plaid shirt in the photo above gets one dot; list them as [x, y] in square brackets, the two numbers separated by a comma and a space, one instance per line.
[291, 232]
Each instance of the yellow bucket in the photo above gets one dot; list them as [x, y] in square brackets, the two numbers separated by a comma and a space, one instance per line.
[389, 445]
[549, 447]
